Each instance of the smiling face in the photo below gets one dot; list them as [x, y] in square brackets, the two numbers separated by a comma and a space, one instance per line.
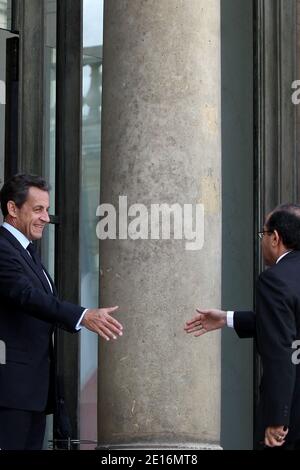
[32, 217]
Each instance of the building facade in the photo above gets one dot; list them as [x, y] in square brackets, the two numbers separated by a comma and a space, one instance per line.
[177, 102]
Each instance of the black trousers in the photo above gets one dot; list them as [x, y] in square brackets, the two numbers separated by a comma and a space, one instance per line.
[21, 430]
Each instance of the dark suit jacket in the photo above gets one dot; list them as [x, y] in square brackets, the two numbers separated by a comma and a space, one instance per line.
[29, 312]
[275, 326]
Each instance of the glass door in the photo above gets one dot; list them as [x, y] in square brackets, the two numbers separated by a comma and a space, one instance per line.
[5, 14]
[49, 155]
[5, 20]
[90, 198]
[8, 113]
[3, 37]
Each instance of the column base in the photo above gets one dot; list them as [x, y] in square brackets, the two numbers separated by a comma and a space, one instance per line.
[160, 446]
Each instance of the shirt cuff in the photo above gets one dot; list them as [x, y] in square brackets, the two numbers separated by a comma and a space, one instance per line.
[78, 326]
[229, 319]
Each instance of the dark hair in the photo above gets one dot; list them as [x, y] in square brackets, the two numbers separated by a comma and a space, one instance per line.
[16, 189]
[286, 220]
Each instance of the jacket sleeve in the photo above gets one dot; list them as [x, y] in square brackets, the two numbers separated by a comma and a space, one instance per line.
[18, 290]
[244, 324]
[276, 332]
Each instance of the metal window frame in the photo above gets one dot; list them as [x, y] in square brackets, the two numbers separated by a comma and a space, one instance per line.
[68, 171]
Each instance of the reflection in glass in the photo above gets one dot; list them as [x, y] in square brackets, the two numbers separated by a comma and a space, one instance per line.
[5, 14]
[49, 124]
[48, 241]
[4, 35]
[50, 121]
[2, 102]
[90, 197]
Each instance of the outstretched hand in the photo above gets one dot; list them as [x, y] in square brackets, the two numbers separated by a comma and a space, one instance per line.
[101, 322]
[205, 321]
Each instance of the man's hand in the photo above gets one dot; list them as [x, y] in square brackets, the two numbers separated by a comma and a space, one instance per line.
[101, 322]
[205, 321]
[275, 436]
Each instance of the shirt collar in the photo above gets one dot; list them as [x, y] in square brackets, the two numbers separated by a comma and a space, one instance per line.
[17, 234]
[282, 256]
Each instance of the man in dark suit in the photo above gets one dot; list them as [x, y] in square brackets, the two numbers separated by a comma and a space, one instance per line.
[29, 312]
[275, 326]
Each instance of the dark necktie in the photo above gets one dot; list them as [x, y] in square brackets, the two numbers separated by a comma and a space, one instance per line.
[32, 250]
[36, 259]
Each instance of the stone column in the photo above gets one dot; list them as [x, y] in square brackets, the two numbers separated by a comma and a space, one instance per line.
[161, 144]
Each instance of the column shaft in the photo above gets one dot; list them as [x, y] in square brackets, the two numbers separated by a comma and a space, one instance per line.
[161, 144]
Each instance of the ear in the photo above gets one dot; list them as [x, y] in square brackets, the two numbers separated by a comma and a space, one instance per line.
[276, 239]
[12, 208]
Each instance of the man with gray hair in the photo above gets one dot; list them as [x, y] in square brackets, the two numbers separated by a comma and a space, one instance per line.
[29, 312]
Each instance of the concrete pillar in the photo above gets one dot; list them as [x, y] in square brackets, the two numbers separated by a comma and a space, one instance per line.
[161, 144]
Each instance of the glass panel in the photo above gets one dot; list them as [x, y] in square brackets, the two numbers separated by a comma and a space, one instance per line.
[4, 35]
[49, 149]
[90, 197]
[92, 23]
[49, 124]
[5, 14]
[48, 241]
[2, 101]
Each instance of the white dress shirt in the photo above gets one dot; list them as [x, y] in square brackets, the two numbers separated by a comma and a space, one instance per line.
[230, 313]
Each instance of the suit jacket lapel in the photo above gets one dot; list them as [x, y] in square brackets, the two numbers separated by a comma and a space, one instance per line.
[54, 291]
[26, 256]
[36, 269]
